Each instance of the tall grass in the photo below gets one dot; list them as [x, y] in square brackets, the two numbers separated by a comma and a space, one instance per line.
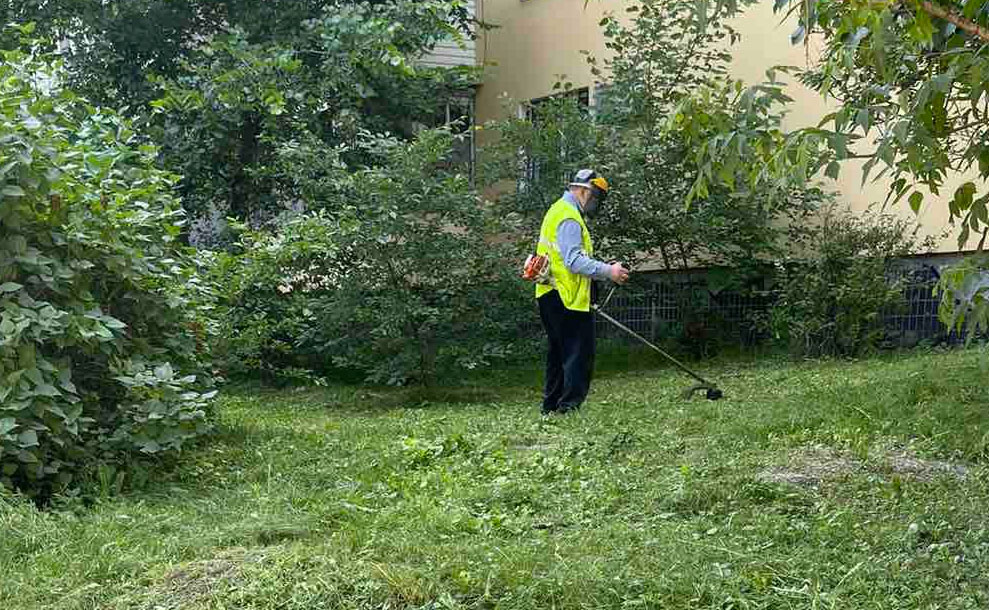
[814, 485]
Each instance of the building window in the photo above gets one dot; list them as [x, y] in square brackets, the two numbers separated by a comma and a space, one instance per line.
[602, 102]
[460, 118]
[456, 112]
[582, 96]
[531, 172]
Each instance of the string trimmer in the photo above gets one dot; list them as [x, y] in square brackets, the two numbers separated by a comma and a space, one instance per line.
[711, 390]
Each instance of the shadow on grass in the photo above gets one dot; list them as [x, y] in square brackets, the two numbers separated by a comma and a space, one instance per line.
[356, 400]
[518, 379]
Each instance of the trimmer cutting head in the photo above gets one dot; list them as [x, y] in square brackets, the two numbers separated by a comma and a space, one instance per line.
[710, 392]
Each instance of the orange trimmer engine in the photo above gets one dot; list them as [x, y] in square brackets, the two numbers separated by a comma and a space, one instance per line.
[536, 269]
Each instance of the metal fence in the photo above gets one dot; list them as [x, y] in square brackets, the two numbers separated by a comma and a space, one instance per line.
[917, 320]
[683, 308]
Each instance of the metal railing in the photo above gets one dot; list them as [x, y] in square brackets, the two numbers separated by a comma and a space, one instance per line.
[682, 307]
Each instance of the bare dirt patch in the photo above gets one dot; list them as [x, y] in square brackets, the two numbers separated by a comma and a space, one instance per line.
[906, 463]
[195, 582]
[817, 463]
[810, 466]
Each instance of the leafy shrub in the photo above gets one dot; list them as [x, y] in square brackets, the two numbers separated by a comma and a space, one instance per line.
[428, 277]
[835, 285]
[409, 276]
[269, 287]
[964, 290]
[99, 354]
[248, 96]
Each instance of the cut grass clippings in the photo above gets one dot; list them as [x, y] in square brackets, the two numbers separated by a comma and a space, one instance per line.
[814, 485]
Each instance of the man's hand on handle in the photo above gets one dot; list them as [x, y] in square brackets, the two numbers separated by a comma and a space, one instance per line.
[619, 274]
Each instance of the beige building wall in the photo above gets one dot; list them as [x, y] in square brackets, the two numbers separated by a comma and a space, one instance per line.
[535, 43]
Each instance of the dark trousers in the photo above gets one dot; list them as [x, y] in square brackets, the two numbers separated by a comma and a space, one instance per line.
[570, 359]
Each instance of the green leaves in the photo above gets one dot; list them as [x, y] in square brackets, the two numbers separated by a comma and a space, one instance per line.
[902, 71]
[964, 292]
[962, 200]
[261, 119]
[88, 234]
[832, 170]
[916, 199]
[163, 411]
[738, 143]
[400, 282]
[922, 29]
[27, 439]
[917, 81]
[834, 285]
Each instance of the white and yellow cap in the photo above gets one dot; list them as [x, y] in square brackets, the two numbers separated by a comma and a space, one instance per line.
[588, 178]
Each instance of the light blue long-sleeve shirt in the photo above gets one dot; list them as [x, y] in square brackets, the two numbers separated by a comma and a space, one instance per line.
[568, 238]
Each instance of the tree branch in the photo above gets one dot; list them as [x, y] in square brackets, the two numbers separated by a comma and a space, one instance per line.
[959, 21]
[964, 127]
[936, 10]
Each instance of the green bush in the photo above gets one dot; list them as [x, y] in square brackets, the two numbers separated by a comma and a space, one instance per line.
[249, 99]
[100, 358]
[836, 284]
[410, 276]
[964, 291]
[269, 287]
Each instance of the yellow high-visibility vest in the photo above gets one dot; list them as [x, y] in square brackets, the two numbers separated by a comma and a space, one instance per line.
[574, 289]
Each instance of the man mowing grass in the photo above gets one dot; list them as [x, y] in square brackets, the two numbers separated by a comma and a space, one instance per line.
[563, 291]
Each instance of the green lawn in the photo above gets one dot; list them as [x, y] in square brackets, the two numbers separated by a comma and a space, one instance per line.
[816, 485]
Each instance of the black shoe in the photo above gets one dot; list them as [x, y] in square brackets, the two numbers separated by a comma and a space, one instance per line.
[565, 409]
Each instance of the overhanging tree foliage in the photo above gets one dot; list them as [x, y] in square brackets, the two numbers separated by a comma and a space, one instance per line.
[662, 56]
[112, 46]
[912, 79]
[912, 82]
[239, 86]
[913, 91]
